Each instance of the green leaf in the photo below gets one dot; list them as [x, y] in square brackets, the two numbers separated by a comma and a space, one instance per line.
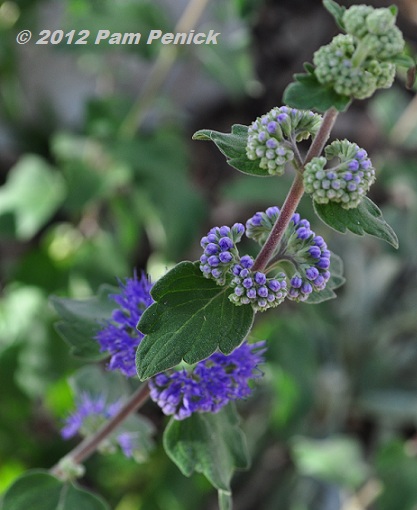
[336, 11]
[335, 281]
[393, 9]
[211, 444]
[81, 320]
[38, 490]
[307, 93]
[365, 219]
[33, 192]
[233, 146]
[403, 60]
[191, 318]
[397, 470]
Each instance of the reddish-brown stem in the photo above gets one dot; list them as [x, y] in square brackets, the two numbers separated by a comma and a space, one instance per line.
[288, 209]
[295, 194]
[322, 135]
[89, 445]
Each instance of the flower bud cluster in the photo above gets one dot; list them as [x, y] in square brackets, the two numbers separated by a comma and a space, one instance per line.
[347, 182]
[220, 251]
[358, 63]
[305, 257]
[271, 137]
[255, 288]
[260, 225]
[376, 28]
[309, 256]
[299, 266]
[90, 414]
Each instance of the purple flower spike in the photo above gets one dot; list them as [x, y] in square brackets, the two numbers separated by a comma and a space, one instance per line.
[211, 384]
[119, 336]
[90, 414]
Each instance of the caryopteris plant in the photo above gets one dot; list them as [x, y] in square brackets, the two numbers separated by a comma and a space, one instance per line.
[188, 334]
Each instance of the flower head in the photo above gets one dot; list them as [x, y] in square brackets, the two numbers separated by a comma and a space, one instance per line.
[119, 335]
[90, 414]
[220, 251]
[270, 137]
[376, 28]
[347, 182]
[359, 62]
[301, 258]
[256, 289]
[211, 384]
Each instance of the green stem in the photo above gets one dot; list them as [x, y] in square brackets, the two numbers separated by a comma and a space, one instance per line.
[89, 445]
[295, 194]
[360, 54]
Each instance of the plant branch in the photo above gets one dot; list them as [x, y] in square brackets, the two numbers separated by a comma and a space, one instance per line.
[89, 445]
[275, 236]
[296, 192]
[322, 135]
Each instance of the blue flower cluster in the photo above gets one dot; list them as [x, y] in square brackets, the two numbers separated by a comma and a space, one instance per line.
[209, 386]
[90, 414]
[271, 137]
[299, 266]
[212, 383]
[255, 288]
[307, 254]
[119, 336]
[346, 183]
[220, 251]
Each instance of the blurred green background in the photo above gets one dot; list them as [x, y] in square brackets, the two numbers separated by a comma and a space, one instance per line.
[99, 175]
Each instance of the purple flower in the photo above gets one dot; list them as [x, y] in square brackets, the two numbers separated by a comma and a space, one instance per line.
[211, 384]
[119, 336]
[94, 409]
[90, 414]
